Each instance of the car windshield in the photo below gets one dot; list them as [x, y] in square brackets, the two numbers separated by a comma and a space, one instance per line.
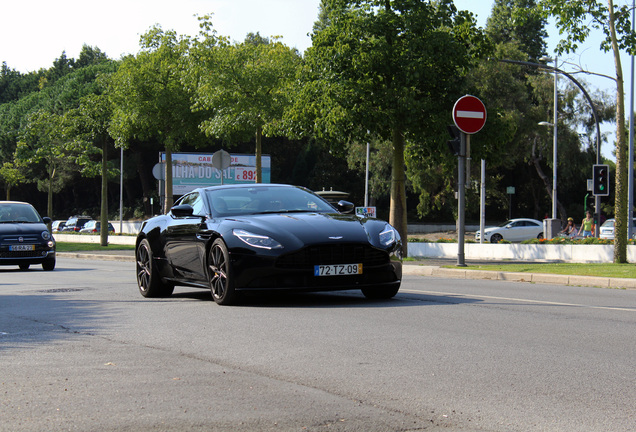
[505, 223]
[12, 213]
[266, 199]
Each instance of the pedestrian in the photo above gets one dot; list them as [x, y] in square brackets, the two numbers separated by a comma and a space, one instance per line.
[570, 229]
[586, 225]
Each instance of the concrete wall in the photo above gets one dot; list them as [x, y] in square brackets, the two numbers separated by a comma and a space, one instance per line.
[523, 252]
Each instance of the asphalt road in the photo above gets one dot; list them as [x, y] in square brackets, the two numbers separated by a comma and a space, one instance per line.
[81, 350]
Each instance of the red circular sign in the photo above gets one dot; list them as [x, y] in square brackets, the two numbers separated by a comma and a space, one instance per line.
[469, 114]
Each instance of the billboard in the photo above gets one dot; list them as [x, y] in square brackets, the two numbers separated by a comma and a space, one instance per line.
[193, 170]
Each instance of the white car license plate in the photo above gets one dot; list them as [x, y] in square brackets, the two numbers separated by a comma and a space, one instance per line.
[21, 247]
[337, 269]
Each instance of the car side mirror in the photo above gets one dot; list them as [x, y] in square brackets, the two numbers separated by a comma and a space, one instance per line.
[182, 210]
[47, 220]
[345, 206]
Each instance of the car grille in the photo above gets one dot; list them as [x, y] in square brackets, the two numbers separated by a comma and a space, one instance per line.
[333, 254]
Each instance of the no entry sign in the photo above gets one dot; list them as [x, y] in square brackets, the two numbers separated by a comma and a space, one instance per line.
[469, 114]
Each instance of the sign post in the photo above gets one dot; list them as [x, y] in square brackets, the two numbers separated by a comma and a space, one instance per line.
[469, 115]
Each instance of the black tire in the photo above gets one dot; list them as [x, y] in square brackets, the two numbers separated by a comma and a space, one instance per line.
[540, 236]
[148, 278]
[24, 267]
[496, 238]
[220, 274]
[49, 264]
[380, 293]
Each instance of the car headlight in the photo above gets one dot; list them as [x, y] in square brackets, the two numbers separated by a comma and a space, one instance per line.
[46, 235]
[257, 240]
[388, 236]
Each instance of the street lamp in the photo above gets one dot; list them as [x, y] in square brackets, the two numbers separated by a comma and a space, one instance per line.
[554, 167]
[554, 131]
[597, 199]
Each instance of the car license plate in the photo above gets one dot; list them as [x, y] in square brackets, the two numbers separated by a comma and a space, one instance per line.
[21, 247]
[337, 269]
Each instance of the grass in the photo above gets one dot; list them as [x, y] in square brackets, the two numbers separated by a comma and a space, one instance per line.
[588, 269]
[78, 247]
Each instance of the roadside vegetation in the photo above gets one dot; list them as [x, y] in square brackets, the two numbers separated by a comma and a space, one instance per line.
[580, 269]
[78, 247]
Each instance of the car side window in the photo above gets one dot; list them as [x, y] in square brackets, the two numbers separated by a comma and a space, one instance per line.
[195, 201]
[197, 204]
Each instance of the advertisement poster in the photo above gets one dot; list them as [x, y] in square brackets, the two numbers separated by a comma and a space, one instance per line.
[193, 170]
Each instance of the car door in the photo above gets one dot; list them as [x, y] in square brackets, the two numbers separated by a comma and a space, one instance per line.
[516, 231]
[183, 246]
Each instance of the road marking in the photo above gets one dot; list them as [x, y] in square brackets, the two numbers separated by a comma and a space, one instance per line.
[614, 308]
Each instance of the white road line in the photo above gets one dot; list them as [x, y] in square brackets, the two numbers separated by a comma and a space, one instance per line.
[519, 300]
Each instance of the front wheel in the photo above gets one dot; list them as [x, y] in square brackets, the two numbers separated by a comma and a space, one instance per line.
[49, 264]
[540, 236]
[148, 278]
[220, 274]
[496, 238]
[380, 293]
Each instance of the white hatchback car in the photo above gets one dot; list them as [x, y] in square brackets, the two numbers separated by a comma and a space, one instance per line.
[514, 230]
[606, 231]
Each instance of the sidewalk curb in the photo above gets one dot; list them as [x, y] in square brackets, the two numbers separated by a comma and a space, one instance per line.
[102, 257]
[543, 278]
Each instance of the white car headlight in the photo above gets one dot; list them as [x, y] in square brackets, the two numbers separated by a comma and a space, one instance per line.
[257, 240]
[388, 236]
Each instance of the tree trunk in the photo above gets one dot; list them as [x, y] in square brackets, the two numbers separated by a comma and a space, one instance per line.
[259, 168]
[168, 192]
[397, 212]
[620, 205]
[49, 198]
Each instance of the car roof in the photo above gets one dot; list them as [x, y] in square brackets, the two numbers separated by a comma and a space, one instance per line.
[15, 202]
[251, 186]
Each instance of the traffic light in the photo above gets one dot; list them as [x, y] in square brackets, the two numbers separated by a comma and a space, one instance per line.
[454, 144]
[600, 180]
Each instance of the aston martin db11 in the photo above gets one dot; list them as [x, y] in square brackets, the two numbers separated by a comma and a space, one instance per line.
[237, 238]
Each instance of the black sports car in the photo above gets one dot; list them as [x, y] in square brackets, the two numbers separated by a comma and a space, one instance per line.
[24, 237]
[236, 238]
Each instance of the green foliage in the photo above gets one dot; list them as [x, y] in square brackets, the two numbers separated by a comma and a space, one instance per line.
[518, 22]
[150, 102]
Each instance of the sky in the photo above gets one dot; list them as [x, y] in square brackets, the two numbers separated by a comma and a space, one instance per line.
[34, 33]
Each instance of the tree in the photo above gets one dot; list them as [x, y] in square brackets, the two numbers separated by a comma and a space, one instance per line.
[11, 176]
[576, 19]
[244, 86]
[150, 102]
[393, 68]
[42, 150]
[508, 24]
[87, 130]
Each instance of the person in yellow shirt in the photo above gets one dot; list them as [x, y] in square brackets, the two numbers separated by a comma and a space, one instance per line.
[587, 225]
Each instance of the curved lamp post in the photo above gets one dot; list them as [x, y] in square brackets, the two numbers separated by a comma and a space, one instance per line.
[597, 199]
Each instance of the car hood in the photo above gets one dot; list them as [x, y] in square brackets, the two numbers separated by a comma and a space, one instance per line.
[298, 229]
[22, 228]
[489, 230]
